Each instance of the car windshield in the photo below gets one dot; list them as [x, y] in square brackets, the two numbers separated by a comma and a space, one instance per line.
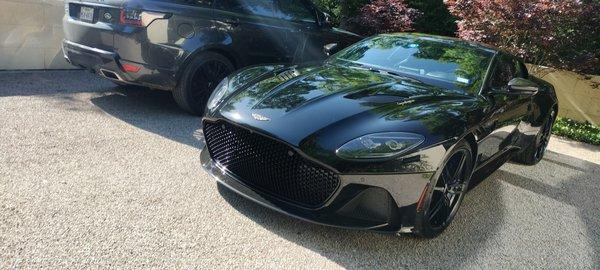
[453, 65]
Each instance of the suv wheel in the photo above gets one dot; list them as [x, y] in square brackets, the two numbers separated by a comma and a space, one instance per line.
[199, 79]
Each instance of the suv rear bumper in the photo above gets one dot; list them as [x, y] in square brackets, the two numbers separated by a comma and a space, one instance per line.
[110, 65]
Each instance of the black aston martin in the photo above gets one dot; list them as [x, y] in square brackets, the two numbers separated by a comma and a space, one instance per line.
[385, 135]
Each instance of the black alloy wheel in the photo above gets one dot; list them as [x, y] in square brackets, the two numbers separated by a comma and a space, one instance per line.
[535, 151]
[544, 137]
[206, 78]
[447, 192]
[199, 79]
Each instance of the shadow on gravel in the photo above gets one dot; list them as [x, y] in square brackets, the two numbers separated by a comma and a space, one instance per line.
[581, 190]
[153, 111]
[478, 219]
[28, 83]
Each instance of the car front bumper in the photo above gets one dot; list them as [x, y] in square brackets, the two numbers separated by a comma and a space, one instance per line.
[110, 65]
[384, 203]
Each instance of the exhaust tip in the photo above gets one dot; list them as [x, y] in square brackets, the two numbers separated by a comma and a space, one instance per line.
[110, 75]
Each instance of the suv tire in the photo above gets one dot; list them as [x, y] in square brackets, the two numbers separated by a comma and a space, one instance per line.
[200, 77]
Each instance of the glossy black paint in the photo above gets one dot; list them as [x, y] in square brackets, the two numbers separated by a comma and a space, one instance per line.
[317, 108]
[185, 28]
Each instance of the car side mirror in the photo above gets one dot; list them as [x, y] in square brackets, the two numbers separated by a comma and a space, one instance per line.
[330, 48]
[324, 19]
[522, 86]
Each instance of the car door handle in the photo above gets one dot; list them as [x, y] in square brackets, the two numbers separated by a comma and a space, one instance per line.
[232, 21]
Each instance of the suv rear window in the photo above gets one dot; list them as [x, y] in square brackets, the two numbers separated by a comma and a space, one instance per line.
[252, 7]
[293, 10]
[199, 3]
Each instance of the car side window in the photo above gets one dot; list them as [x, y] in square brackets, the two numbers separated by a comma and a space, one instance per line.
[504, 72]
[293, 10]
[198, 3]
[252, 7]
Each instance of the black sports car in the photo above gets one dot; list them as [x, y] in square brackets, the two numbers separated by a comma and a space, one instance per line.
[384, 135]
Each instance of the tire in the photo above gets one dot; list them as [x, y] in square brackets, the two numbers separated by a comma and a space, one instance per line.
[534, 153]
[199, 79]
[444, 195]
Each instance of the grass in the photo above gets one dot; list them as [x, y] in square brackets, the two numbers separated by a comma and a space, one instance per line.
[583, 132]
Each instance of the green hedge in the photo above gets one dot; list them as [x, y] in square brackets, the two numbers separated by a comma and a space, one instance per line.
[583, 132]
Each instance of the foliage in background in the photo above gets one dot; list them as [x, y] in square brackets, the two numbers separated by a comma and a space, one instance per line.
[384, 16]
[584, 132]
[435, 18]
[562, 34]
[341, 11]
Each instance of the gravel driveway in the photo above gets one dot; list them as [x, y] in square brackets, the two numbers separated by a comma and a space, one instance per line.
[94, 176]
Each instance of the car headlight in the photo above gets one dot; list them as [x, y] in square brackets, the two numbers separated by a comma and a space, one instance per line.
[379, 145]
[218, 94]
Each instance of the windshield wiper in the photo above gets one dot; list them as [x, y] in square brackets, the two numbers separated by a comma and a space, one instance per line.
[395, 74]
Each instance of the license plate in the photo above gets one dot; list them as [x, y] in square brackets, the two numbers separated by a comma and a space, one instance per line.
[86, 14]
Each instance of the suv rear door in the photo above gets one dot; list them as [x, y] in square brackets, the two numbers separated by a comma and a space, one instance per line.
[304, 33]
[255, 34]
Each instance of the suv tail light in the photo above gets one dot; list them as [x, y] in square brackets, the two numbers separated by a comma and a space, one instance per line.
[131, 17]
[130, 68]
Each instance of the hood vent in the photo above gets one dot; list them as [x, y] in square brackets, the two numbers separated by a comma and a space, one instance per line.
[287, 75]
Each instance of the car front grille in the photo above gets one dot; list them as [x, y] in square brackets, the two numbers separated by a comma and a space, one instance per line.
[268, 165]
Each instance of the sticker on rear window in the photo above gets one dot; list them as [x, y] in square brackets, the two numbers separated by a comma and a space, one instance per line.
[463, 80]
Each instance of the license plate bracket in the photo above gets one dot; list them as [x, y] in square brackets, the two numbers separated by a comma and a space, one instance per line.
[86, 14]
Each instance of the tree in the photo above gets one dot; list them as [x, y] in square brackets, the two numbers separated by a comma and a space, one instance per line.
[384, 16]
[562, 34]
[341, 11]
[435, 17]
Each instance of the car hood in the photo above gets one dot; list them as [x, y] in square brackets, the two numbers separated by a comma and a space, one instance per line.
[338, 103]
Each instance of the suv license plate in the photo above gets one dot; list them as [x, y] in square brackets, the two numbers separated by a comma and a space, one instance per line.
[86, 14]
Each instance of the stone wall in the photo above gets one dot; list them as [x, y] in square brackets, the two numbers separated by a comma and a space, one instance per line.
[31, 34]
[578, 95]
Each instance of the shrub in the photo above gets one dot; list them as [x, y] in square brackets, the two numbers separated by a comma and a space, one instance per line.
[583, 132]
[381, 16]
[562, 34]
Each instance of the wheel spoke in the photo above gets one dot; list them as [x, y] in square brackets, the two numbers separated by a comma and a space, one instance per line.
[460, 167]
[454, 192]
[436, 208]
[446, 201]
[446, 176]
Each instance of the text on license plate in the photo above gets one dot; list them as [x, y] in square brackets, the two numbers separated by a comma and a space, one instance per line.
[86, 14]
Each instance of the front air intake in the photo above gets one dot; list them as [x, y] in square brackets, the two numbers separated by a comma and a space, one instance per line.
[269, 166]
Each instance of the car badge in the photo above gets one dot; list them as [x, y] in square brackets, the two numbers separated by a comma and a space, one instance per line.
[406, 102]
[107, 16]
[260, 117]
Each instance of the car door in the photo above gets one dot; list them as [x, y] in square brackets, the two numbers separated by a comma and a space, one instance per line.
[253, 32]
[305, 37]
[506, 110]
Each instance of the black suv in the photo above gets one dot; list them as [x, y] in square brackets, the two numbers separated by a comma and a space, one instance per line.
[188, 46]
